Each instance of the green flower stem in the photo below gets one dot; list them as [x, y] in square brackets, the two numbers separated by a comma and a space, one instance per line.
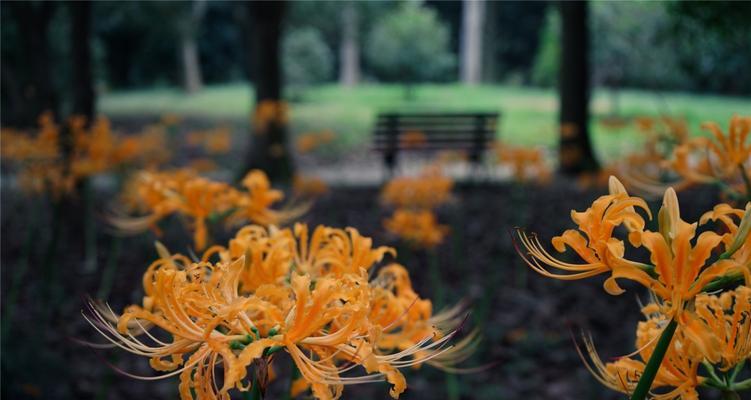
[737, 370]
[742, 385]
[723, 282]
[746, 180]
[108, 275]
[255, 391]
[653, 365]
[89, 227]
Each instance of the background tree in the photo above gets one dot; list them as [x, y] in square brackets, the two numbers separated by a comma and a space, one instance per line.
[84, 96]
[575, 150]
[410, 45]
[28, 88]
[307, 60]
[349, 49]
[470, 67]
[188, 28]
[269, 149]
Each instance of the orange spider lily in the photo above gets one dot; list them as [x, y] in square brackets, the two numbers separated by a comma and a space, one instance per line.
[594, 241]
[677, 377]
[417, 227]
[228, 314]
[429, 190]
[679, 271]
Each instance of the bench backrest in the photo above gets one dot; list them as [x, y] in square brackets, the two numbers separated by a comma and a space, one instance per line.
[471, 132]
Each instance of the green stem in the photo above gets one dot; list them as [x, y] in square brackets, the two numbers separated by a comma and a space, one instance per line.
[255, 390]
[108, 275]
[294, 375]
[19, 273]
[723, 282]
[742, 385]
[90, 263]
[729, 395]
[435, 278]
[653, 365]
[746, 180]
[49, 273]
[736, 371]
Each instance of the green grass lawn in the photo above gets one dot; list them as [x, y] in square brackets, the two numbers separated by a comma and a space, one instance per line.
[528, 114]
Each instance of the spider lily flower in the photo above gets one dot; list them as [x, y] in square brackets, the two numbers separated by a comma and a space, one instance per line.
[429, 190]
[330, 322]
[254, 204]
[419, 228]
[737, 240]
[677, 377]
[720, 326]
[310, 141]
[269, 113]
[308, 187]
[593, 241]
[525, 163]
[334, 251]
[680, 270]
[161, 194]
[679, 264]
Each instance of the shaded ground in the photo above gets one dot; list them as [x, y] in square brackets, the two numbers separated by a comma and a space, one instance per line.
[526, 319]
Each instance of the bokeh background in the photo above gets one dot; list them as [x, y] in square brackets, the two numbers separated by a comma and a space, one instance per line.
[197, 70]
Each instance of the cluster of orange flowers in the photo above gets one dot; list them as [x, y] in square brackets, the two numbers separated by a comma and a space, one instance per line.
[672, 158]
[526, 164]
[308, 187]
[685, 273]
[415, 199]
[44, 166]
[158, 195]
[311, 141]
[283, 290]
[268, 114]
[213, 141]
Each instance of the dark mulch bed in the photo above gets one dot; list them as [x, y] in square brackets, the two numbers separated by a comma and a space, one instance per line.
[526, 320]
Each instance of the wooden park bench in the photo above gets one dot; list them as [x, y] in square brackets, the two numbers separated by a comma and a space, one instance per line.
[471, 133]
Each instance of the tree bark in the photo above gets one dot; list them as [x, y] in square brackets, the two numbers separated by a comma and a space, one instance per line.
[471, 48]
[575, 150]
[189, 57]
[35, 91]
[269, 150]
[349, 71]
[84, 97]
[192, 80]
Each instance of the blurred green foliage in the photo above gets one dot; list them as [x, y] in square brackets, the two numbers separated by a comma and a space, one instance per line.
[688, 46]
[411, 45]
[306, 59]
[545, 68]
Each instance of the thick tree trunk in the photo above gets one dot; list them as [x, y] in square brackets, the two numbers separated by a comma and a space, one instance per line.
[35, 91]
[269, 150]
[84, 97]
[189, 57]
[349, 72]
[471, 47]
[575, 149]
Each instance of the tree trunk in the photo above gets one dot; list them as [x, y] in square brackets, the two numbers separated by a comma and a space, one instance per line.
[35, 91]
[575, 150]
[192, 81]
[84, 97]
[189, 57]
[269, 150]
[349, 71]
[471, 48]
